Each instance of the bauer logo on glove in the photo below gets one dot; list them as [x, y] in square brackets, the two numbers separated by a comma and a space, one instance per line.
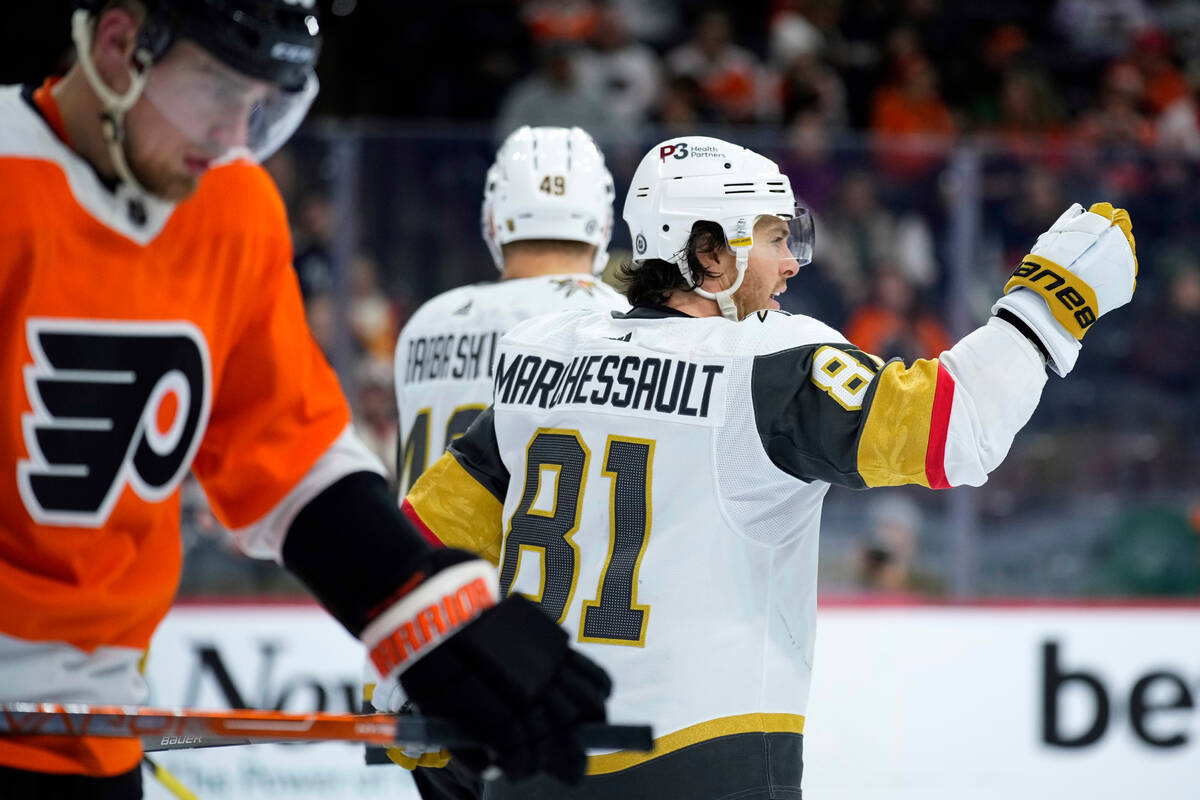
[1076, 306]
[1078, 271]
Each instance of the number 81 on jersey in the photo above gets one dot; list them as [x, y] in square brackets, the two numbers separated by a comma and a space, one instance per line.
[556, 469]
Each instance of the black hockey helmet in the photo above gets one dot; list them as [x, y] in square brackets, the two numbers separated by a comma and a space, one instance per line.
[271, 40]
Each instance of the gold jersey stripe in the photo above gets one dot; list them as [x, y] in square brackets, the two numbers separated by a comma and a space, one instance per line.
[895, 437]
[458, 510]
[694, 734]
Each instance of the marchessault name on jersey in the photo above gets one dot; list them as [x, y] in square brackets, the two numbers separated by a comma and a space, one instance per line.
[648, 383]
[452, 356]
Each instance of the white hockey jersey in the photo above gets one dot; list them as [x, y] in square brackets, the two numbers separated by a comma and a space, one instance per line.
[655, 482]
[445, 354]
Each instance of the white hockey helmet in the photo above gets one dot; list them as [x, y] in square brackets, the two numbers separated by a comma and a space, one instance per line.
[548, 183]
[697, 178]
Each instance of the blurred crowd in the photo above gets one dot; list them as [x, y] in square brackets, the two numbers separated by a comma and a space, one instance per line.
[1096, 71]
[908, 128]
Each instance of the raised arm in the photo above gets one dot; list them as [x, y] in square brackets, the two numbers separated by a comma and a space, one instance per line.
[831, 412]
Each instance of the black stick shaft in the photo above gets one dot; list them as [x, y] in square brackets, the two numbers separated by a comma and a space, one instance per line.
[594, 736]
[415, 730]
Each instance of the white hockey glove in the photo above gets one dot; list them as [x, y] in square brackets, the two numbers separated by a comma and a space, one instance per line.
[387, 696]
[1079, 270]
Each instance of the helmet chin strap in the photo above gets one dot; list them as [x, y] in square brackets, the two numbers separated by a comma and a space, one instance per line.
[112, 119]
[724, 297]
[599, 261]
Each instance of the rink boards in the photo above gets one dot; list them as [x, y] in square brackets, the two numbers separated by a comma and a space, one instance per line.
[985, 701]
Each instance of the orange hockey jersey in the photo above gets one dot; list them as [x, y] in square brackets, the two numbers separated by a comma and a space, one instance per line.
[138, 339]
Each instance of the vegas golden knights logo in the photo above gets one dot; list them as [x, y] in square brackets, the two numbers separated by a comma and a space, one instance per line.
[114, 404]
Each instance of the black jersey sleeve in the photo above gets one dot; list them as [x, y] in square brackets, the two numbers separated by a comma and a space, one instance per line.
[833, 413]
[351, 547]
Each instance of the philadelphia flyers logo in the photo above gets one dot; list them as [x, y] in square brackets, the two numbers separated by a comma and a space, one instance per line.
[114, 404]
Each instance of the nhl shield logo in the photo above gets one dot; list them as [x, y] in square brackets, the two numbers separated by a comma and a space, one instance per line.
[639, 244]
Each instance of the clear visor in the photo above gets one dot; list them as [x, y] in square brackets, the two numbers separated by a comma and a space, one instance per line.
[801, 236]
[221, 110]
[789, 239]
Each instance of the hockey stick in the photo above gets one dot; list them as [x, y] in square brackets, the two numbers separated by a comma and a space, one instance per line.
[185, 727]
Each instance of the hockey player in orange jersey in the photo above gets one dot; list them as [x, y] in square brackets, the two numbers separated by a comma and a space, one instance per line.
[150, 322]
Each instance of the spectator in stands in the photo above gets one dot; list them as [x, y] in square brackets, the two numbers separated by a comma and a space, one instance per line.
[802, 82]
[859, 234]
[682, 106]
[727, 74]
[894, 324]
[282, 168]
[789, 34]
[560, 20]
[1177, 129]
[623, 73]
[314, 222]
[554, 95]
[1173, 206]
[1180, 20]
[886, 560]
[1035, 191]
[1151, 53]
[321, 315]
[1100, 29]
[656, 22]
[375, 418]
[372, 316]
[1166, 350]
[911, 108]
[808, 161]
[1028, 107]
[1000, 51]
[1119, 116]
[1168, 97]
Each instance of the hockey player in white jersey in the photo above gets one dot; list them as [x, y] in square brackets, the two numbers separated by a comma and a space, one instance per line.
[547, 219]
[654, 480]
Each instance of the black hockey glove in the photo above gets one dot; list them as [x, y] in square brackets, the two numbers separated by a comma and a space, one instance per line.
[509, 674]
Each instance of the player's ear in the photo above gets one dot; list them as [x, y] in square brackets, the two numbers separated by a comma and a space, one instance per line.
[113, 43]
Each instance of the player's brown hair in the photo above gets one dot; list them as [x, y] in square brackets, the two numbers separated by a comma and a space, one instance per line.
[652, 281]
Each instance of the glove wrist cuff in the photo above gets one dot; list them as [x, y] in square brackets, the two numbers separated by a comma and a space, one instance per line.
[428, 613]
[1031, 308]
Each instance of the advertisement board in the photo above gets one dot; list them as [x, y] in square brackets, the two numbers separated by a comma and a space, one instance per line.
[908, 701]
[289, 657]
[1001, 702]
